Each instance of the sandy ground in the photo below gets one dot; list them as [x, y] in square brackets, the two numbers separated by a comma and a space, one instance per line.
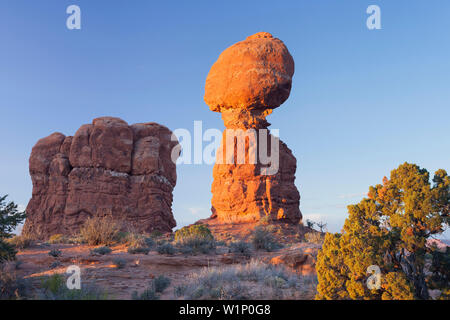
[35, 264]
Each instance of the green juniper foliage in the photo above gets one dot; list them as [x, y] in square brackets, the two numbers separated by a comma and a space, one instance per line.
[389, 229]
[10, 218]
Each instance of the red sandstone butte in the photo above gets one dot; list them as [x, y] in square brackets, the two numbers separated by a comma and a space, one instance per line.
[248, 81]
[107, 168]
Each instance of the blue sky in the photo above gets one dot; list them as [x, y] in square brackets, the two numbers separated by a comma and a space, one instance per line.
[362, 101]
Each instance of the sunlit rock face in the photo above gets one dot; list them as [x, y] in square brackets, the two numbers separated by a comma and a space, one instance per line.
[248, 81]
[107, 168]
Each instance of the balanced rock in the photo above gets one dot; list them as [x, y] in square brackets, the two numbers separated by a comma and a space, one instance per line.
[107, 168]
[252, 74]
[248, 81]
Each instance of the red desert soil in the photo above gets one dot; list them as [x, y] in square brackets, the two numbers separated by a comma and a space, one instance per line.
[140, 268]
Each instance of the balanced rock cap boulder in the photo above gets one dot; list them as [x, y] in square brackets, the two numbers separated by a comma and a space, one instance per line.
[252, 74]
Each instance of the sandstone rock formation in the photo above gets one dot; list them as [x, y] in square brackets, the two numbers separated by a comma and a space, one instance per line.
[107, 169]
[248, 81]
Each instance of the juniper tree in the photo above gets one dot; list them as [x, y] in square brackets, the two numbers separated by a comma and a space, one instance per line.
[388, 229]
[10, 218]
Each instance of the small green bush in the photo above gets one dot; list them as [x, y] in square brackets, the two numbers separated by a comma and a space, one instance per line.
[149, 242]
[238, 282]
[157, 285]
[119, 263]
[166, 248]
[194, 232]
[55, 253]
[195, 238]
[138, 243]
[100, 231]
[55, 288]
[264, 240]
[138, 250]
[160, 283]
[241, 247]
[101, 250]
[53, 283]
[139, 240]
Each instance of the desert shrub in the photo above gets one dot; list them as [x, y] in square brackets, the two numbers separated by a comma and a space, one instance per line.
[122, 237]
[157, 285]
[314, 237]
[138, 240]
[100, 231]
[53, 283]
[138, 243]
[55, 253]
[20, 242]
[12, 287]
[187, 250]
[101, 250]
[236, 282]
[57, 239]
[262, 239]
[7, 251]
[119, 263]
[55, 288]
[138, 250]
[195, 232]
[147, 294]
[166, 248]
[241, 247]
[149, 242]
[194, 239]
[160, 283]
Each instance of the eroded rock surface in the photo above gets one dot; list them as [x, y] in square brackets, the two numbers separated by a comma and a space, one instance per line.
[107, 168]
[248, 81]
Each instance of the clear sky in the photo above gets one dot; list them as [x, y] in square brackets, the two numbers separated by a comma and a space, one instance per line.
[362, 102]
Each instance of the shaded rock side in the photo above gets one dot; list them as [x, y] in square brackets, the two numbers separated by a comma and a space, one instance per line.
[107, 168]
